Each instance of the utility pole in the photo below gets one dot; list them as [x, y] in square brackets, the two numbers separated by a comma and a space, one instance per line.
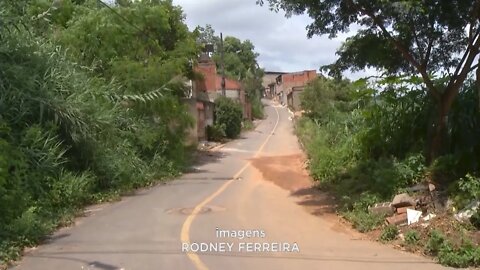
[222, 64]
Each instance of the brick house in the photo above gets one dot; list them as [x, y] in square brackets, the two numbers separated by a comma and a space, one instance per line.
[205, 90]
[211, 84]
[269, 81]
[286, 83]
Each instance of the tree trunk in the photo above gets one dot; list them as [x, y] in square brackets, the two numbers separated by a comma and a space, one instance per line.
[438, 135]
[478, 84]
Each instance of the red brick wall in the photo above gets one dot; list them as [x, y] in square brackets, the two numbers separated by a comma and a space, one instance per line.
[229, 83]
[209, 73]
[297, 79]
[211, 81]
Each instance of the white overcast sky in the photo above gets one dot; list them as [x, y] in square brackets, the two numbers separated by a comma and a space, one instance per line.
[281, 42]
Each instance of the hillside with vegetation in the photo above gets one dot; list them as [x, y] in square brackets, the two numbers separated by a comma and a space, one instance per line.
[366, 143]
[417, 122]
[90, 107]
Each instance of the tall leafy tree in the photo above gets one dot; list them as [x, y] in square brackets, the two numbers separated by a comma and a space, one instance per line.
[240, 61]
[425, 38]
[239, 56]
[142, 44]
[206, 35]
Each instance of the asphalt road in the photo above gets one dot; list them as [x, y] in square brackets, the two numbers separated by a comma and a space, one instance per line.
[253, 186]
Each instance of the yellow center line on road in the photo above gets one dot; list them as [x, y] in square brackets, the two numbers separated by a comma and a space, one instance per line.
[185, 232]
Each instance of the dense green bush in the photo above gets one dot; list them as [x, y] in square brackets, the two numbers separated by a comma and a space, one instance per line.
[389, 233]
[365, 145]
[465, 190]
[475, 219]
[228, 113]
[436, 240]
[257, 109]
[216, 133]
[69, 137]
[364, 221]
[248, 125]
[412, 238]
[363, 140]
[462, 257]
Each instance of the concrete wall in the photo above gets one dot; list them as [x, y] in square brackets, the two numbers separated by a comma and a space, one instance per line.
[247, 111]
[230, 93]
[294, 98]
[281, 93]
[269, 78]
[192, 133]
[269, 83]
[202, 113]
[209, 113]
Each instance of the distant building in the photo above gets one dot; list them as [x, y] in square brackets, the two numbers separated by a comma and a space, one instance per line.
[206, 89]
[269, 82]
[286, 82]
[287, 87]
[211, 82]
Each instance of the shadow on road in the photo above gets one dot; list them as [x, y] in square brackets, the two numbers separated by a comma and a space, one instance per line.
[201, 158]
[317, 202]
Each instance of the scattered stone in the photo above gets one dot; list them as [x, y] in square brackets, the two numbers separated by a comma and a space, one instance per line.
[418, 187]
[401, 237]
[450, 205]
[431, 187]
[397, 220]
[385, 208]
[468, 211]
[413, 216]
[428, 217]
[424, 200]
[403, 200]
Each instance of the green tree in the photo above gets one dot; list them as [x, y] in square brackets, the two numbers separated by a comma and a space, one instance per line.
[254, 89]
[240, 64]
[239, 56]
[228, 114]
[322, 97]
[87, 106]
[206, 35]
[142, 45]
[430, 39]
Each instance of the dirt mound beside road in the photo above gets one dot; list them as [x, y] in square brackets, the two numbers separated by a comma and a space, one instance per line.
[289, 173]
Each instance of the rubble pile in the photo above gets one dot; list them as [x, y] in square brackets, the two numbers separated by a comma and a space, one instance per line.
[418, 205]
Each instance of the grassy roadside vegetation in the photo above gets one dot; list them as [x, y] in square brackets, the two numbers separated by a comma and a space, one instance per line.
[90, 107]
[366, 142]
[84, 125]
